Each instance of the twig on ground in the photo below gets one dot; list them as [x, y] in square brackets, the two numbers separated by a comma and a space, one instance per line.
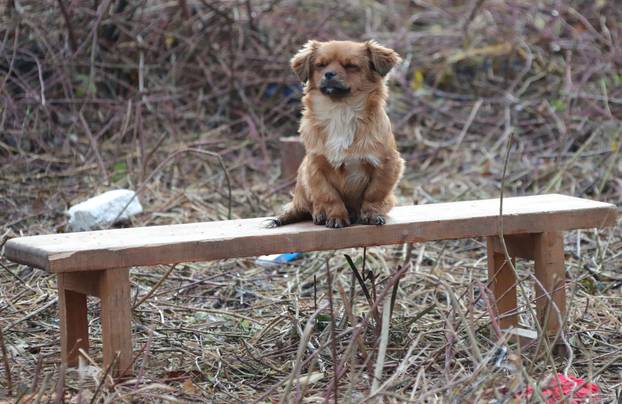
[7, 367]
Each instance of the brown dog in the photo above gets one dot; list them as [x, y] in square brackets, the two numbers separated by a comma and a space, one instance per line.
[351, 165]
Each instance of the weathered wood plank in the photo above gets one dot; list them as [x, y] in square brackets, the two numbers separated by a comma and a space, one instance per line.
[207, 241]
[86, 284]
[551, 285]
[518, 245]
[116, 318]
[292, 154]
[74, 326]
[502, 283]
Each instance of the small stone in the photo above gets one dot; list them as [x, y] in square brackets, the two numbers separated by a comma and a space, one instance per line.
[104, 210]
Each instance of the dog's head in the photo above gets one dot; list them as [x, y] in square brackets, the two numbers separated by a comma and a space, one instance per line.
[341, 69]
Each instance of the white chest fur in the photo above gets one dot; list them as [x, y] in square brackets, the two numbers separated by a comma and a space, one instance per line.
[339, 121]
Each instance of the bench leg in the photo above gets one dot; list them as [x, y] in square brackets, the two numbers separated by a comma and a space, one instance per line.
[550, 273]
[114, 291]
[502, 282]
[74, 330]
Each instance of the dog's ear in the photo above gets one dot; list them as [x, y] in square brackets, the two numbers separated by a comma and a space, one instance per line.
[381, 59]
[301, 62]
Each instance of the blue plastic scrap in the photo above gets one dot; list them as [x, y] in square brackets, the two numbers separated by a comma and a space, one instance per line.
[275, 259]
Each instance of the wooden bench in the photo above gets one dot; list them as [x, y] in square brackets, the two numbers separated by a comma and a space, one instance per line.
[97, 263]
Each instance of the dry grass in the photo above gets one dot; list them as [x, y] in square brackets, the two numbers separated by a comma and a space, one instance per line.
[100, 96]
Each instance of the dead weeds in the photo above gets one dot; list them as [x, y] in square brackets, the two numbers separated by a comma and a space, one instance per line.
[104, 94]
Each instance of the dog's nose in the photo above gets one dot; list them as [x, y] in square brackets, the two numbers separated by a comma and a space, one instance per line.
[329, 75]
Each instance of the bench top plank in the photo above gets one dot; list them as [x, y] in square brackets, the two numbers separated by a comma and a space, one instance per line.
[117, 248]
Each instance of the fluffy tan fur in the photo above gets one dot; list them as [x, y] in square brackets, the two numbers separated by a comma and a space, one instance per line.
[352, 164]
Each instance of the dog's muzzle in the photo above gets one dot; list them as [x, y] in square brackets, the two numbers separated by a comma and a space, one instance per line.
[334, 88]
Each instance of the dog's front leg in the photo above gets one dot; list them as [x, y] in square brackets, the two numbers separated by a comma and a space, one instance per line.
[378, 198]
[328, 207]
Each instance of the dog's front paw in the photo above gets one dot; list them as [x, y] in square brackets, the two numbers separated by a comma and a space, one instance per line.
[319, 218]
[372, 218]
[273, 222]
[337, 222]
[331, 215]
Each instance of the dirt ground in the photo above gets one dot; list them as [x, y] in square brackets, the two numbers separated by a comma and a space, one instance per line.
[98, 95]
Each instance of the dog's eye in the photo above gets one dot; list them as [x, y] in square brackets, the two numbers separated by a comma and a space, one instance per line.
[320, 65]
[351, 66]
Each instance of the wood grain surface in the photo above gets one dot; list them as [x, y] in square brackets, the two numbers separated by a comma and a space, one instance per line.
[124, 248]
